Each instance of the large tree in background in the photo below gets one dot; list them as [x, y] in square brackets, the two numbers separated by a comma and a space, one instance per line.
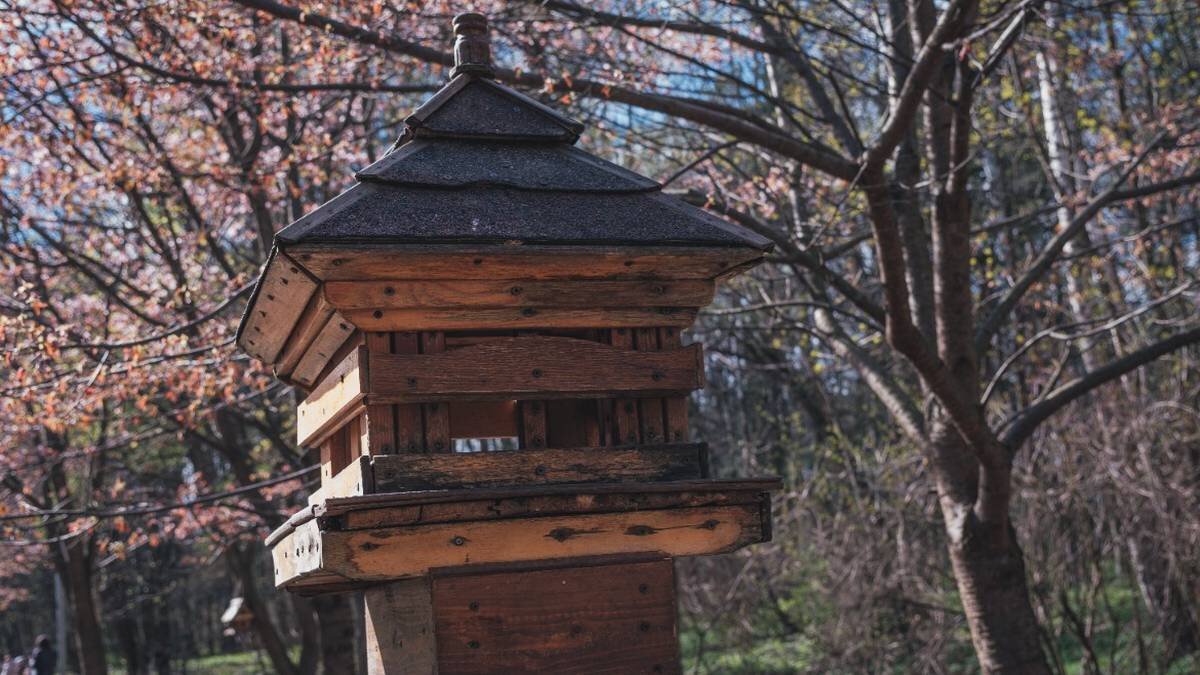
[987, 209]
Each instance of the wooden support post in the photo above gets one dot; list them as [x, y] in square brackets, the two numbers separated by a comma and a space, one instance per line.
[650, 410]
[625, 413]
[533, 425]
[437, 417]
[399, 628]
[410, 428]
[380, 419]
[674, 407]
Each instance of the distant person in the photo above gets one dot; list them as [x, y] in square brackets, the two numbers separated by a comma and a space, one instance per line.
[44, 657]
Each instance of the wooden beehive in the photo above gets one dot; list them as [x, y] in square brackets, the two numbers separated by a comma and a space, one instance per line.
[488, 328]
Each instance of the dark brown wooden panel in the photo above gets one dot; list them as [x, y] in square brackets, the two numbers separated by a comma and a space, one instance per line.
[582, 294]
[617, 618]
[437, 415]
[532, 367]
[507, 262]
[396, 473]
[472, 318]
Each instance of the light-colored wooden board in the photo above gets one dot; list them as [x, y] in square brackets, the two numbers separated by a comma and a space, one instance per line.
[399, 628]
[334, 400]
[498, 293]
[404, 552]
[308, 327]
[532, 367]
[468, 318]
[324, 348]
[342, 263]
[282, 297]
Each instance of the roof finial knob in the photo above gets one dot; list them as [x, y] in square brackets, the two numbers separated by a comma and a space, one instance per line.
[472, 51]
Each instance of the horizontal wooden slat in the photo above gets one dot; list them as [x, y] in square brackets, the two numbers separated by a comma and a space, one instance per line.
[391, 553]
[334, 400]
[394, 473]
[467, 318]
[341, 263]
[308, 327]
[532, 367]
[561, 504]
[580, 294]
[322, 350]
[282, 295]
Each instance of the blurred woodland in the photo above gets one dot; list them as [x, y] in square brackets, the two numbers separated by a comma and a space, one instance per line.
[974, 356]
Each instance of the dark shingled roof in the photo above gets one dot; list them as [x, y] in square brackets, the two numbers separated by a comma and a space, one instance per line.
[481, 163]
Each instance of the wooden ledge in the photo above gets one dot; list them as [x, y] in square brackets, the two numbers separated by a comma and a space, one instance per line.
[406, 534]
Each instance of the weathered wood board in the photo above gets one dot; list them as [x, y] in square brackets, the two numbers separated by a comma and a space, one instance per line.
[281, 298]
[607, 618]
[396, 473]
[500, 293]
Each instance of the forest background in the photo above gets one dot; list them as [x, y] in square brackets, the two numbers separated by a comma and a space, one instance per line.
[972, 356]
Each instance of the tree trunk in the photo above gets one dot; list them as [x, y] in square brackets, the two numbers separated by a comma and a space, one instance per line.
[242, 563]
[989, 566]
[336, 613]
[88, 639]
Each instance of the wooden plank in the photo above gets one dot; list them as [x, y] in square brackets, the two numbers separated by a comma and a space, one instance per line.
[337, 507]
[616, 618]
[391, 553]
[545, 505]
[282, 294]
[395, 473]
[399, 628]
[532, 367]
[355, 479]
[533, 424]
[341, 263]
[410, 427]
[573, 423]
[298, 554]
[483, 419]
[335, 399]
[469, 318]
[497, 293]
[624, 410]
[309, 325]
[650, 410]
[336, 452]
[381, 418]
[322, 350]
[436, 415]
[675, 408]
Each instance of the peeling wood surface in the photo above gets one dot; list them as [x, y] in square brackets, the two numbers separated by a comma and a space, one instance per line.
[281, 298]
[396, 473]
[617, 618]
[532, 367]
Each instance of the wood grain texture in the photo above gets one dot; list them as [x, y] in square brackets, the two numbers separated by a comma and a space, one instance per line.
[324, 348]
[675, 408]
[334, 400]
[436, 415]
[543, 505]
[396, 473]
[499, 293]
[392, 553]
[650, 410]
[618, 618]
[470, 318]
[526, 262]
[380, 418]
[410, 427]
[532, 367]
[624, 410]
[308, 326]
[483, 419]
[281, 298]
[399, 628]
[356, 478]
[533, 425]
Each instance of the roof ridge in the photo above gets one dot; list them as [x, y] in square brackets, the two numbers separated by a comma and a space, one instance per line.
[531, 120]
